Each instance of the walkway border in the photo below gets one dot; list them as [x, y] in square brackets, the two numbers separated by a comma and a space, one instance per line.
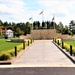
[66, 53]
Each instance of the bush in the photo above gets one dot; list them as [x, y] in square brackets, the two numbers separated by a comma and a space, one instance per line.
[4, 57]
[6, 37]
[8, 54]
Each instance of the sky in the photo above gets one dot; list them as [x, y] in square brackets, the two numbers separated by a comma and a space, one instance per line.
[21, 10]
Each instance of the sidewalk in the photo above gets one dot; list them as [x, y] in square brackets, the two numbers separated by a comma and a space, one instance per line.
[43, 52]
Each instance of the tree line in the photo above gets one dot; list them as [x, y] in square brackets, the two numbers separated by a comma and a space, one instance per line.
[18, 28]
[25, 28]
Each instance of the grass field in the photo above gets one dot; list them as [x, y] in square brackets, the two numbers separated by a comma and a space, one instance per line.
[7, 50]
[5, 46]
[71, 42]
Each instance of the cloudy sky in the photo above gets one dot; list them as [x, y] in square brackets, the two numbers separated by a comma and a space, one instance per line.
[22, 10]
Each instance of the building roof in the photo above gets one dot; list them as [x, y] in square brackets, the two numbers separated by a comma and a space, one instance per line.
[4, 31]
[7, 30]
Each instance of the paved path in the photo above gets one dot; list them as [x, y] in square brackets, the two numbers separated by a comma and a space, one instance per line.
[43, 52]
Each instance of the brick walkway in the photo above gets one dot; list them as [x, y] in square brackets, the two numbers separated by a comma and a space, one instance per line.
[43, 52]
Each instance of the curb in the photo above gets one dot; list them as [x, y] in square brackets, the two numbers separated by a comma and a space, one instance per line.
[5, 63]
[66, 53]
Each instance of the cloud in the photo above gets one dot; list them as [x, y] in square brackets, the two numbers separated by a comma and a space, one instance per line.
[22, 10]
[63, 9]
[13, 9]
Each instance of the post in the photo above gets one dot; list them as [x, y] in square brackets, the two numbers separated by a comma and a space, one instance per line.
[58, 42]
[15, 51]
[62, 44]
[23, 45]
[31, 41]
[28, 42]
[53, 39]
[71, 50]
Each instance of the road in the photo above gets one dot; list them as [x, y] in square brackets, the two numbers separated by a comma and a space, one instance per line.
[38, 71]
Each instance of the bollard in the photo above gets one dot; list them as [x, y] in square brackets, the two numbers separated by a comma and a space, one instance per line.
[71, 50]
[23, 45]
[15, 51]
[62, 44]
[53, 39]
[58, 42]
[28, 42]
[31, 41]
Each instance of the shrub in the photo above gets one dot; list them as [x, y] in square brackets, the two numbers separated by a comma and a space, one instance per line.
[10, 53]
[67, 47]
[4, 57]
[6, 37]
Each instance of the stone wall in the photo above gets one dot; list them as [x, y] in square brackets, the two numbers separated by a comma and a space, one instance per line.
[46, 34]
[43, 34]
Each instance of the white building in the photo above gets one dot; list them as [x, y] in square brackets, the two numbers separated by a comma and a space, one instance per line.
[9, 33]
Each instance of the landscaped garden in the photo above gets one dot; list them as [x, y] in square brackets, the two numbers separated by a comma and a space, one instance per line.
[7, 49]
[66, 45]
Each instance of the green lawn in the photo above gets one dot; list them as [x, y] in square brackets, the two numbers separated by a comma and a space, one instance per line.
[5, 46]
[71, 42]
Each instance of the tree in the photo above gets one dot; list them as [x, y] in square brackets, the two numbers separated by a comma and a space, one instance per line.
[60, 27]
[19, 32]
[1, 25]
[65, 30]
[48, 25]
[5, 24]
[72, 27]
[43, 25]
[29, 27]
[38, 23]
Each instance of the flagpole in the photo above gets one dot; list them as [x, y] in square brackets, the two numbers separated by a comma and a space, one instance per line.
[32, 22]
[43, 16]
[54, 21]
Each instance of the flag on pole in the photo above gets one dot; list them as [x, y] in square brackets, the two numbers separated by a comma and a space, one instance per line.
[41, 13]
[30, 18]
[52, 18]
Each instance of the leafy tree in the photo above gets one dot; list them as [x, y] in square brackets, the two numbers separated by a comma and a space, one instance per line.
[1, 25]
[19, 32]
[29, 27]
[5, 24]
[48, 24]
[34, 24]
[65, 30]
[60, 27]
[43, 25]
[72, 27]
[38, 23]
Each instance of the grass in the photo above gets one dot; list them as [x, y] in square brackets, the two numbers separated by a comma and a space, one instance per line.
[70, 42]
[5, 46]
